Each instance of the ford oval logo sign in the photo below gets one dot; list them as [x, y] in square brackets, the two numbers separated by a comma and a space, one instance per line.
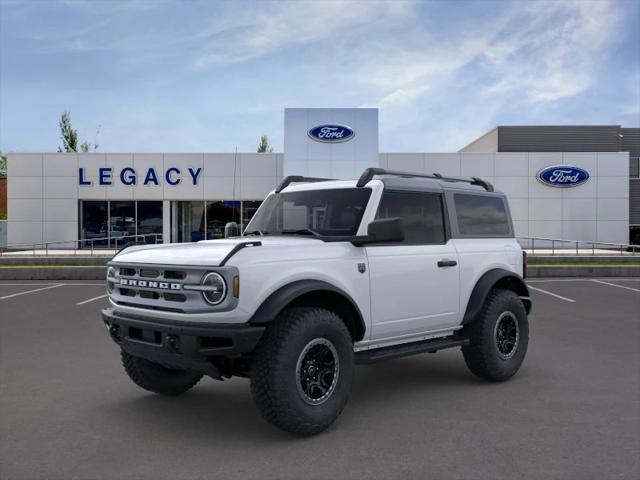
[563, 176]
[331, 133]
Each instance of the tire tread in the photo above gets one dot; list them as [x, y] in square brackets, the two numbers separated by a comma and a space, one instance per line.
[265, 389]
[480, 355]
[155, 378]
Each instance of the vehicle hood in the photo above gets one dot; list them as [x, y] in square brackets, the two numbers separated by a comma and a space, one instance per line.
[204, 253]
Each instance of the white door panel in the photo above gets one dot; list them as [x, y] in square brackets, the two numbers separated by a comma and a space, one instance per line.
[410, 293]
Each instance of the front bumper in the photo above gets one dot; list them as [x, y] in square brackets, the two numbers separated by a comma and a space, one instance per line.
[182, 346]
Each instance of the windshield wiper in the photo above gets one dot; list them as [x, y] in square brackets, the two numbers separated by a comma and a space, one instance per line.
[302, 231]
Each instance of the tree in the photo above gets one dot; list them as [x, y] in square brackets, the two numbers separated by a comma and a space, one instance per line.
[69, 136]
[263, 146]
[3, 165]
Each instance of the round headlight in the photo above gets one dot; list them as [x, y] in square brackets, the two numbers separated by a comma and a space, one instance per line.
[216, 288]
[111, 278]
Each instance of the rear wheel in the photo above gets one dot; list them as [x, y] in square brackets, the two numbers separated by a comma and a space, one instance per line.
[498, 337]
[156, 378]
[302, 370]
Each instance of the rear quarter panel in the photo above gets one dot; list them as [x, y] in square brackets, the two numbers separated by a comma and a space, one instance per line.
[479, 255]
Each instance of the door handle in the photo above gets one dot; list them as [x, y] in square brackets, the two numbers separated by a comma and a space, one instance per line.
[447, 263]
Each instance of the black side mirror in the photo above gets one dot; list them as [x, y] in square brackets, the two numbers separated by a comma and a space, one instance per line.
[382, 230]
[231, 230]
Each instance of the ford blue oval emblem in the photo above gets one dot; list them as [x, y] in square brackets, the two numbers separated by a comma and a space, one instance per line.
[331, 133]
[563, 176]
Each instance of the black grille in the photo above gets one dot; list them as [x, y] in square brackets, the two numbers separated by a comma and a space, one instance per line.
[174, 275]
[149, 294]
[147, 273]
[174, 297]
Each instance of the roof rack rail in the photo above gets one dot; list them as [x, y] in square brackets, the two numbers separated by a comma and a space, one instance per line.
[297, 178]
[369, 173]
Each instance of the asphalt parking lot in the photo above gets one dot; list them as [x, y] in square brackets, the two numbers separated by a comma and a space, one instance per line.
[68, 411]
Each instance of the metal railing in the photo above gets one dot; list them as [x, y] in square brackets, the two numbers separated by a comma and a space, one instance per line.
[581, 247]
[88, 244]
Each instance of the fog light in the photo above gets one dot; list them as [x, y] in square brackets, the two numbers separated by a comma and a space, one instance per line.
[216, 288]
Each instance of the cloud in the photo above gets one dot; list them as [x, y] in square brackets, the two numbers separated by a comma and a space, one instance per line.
[544, 52]
[266, 108]
[554, 53]
[440, 72]
[526, 54]
[286, 25]
[530, 54]
[400, 97]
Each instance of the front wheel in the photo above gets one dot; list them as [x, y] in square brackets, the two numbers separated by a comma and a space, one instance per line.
[302, 370]
[498, 337]
[156, 378]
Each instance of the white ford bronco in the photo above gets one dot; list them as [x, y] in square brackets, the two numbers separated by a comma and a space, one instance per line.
[327, 274]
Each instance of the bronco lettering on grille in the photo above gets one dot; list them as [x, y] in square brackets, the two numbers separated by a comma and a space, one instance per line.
[129, 282]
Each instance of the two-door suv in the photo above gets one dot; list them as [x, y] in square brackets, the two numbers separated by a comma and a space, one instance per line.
[327, 274]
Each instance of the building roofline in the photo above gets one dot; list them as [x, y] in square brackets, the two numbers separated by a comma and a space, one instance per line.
[479, 138]
[563, 125]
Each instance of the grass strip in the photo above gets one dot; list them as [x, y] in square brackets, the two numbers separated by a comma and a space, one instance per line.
[585, 264]
[52, 266]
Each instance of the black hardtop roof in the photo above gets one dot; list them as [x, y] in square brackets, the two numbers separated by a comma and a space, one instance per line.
[433, 178]
[430, 184]
[397, 179]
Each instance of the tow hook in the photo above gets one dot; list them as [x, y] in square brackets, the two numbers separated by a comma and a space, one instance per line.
[172, 342]
[114, 331]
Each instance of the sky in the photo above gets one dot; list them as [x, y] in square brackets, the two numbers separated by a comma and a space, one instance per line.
[204, 76]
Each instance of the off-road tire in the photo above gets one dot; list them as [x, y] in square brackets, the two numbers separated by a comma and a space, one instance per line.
[482, 354]
[274, 374]
[156, 378]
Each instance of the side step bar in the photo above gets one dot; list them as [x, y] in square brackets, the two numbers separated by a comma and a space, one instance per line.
[405, 349]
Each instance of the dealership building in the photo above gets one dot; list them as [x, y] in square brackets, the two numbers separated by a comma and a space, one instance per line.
[565, 182]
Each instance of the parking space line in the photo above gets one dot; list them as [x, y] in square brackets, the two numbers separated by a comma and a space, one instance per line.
[549, 280]
[616, 285]
[92, 299]
[31, 291]
[552, 294]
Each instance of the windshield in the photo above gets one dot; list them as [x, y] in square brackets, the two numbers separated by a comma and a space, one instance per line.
[332, 212]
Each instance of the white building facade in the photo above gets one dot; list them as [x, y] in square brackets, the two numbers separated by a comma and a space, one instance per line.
[102, 197]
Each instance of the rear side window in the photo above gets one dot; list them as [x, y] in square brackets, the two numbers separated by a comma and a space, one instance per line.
[421, 215]
[481, 215]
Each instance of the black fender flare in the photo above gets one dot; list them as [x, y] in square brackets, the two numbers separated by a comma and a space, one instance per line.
[285, 295]
[496, 277]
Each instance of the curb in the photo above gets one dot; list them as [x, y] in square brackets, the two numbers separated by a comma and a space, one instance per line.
[62, 261]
